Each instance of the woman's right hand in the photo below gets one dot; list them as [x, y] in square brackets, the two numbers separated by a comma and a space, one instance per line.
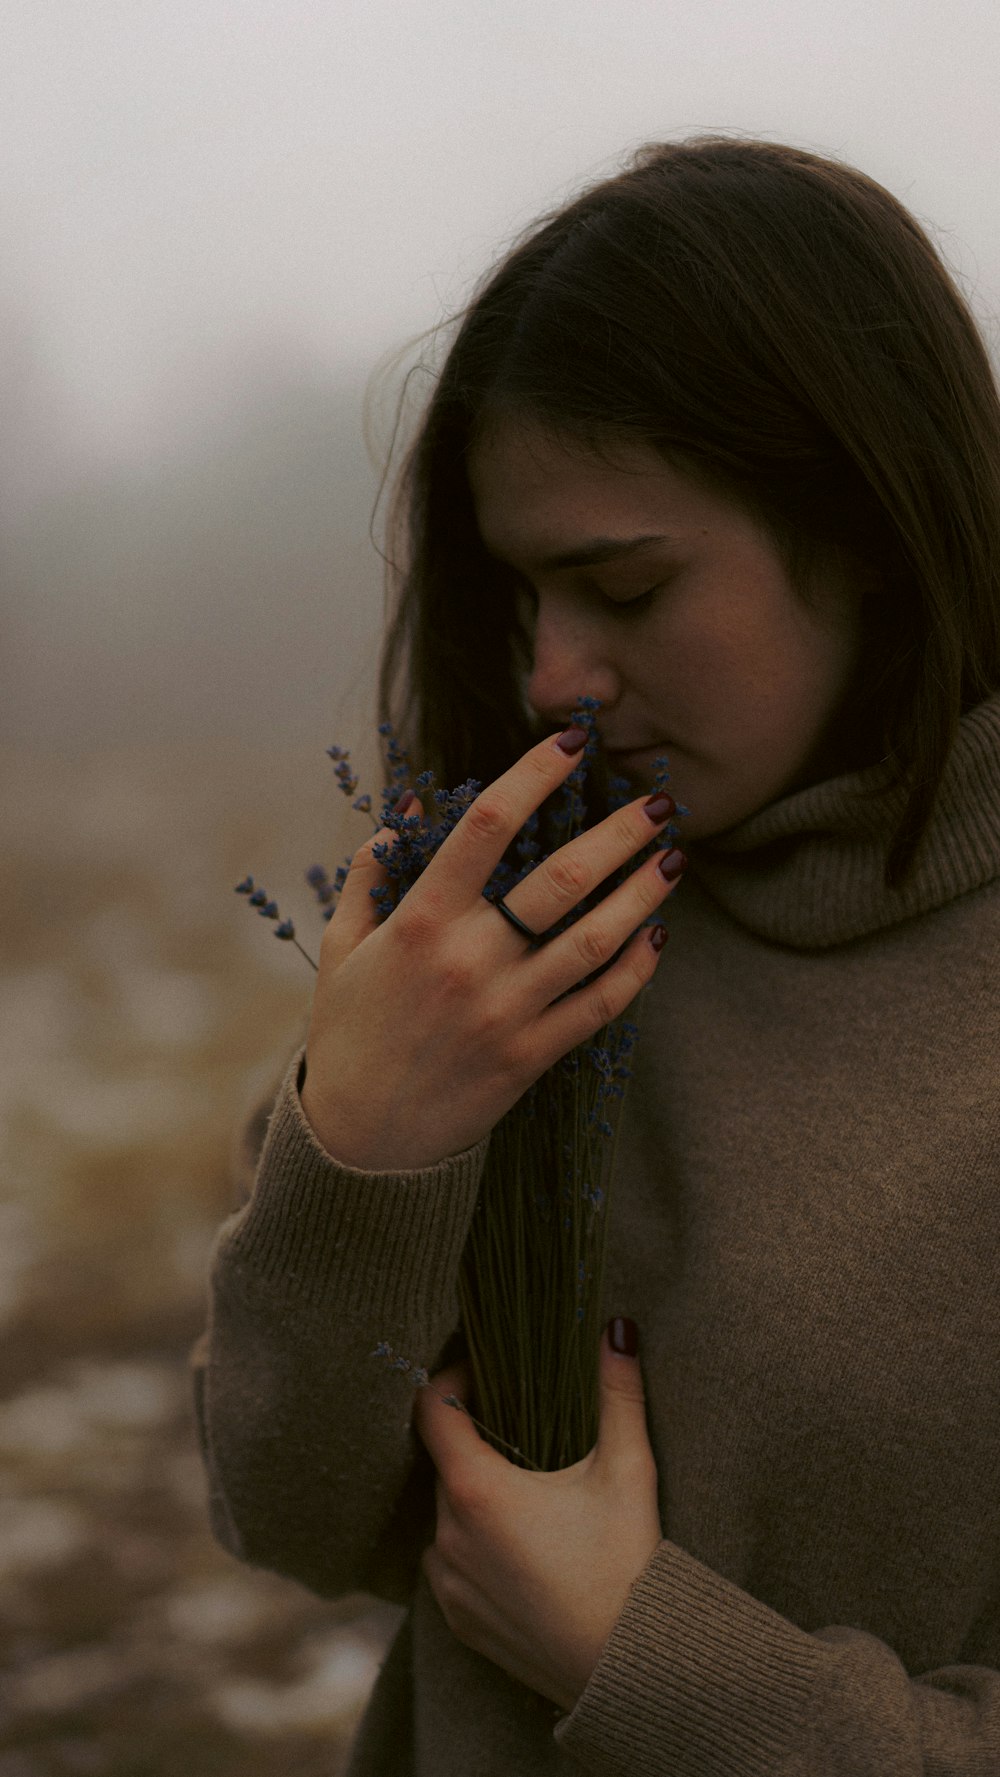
[427, 1027]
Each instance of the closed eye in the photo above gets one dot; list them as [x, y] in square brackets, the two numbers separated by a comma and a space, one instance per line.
[640, 601]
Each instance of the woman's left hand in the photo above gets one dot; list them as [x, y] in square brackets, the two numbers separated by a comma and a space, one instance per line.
[533, 1570]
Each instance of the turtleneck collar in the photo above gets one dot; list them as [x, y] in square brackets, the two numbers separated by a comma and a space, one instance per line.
[809, 869]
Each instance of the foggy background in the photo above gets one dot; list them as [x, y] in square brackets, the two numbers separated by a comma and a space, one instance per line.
[219, 217]
[222, 226]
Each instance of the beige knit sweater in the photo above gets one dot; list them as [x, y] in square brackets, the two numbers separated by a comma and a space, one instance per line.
[805, 1225]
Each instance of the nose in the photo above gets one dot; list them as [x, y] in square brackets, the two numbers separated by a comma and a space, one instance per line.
[571, 659]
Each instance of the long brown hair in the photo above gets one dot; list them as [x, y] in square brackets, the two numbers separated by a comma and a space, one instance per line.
[777, 325]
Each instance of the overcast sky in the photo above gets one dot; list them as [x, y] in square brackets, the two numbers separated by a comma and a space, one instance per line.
[198, 194]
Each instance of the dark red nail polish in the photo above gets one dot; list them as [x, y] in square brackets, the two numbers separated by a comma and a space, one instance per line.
[658, 807]
[672, 864]
[403, 804]
[573, 740]
[624, 1336]
[658, 937]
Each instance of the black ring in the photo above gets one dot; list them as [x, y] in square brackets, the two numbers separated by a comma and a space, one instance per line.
[501, 907]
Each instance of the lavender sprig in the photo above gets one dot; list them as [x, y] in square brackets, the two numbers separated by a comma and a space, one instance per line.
[268, 909]
[420, 1379]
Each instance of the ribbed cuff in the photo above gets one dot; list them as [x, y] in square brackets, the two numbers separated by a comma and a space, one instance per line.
[697, 1678]
[391, 1237]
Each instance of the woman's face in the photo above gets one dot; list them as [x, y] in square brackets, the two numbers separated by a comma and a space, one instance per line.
[691, 637]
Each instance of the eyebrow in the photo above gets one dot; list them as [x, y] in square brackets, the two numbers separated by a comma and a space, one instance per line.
[597, 550]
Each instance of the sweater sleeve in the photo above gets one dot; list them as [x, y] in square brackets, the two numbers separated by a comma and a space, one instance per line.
[313, 1468]
[699, 1679]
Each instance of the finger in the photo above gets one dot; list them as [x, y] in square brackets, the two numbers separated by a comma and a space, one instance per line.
[445, 1386]
[593, 941]
[623, 1434]
[357, 913]
[577, 1016]
[456, 1380]
[461, 868]
[566, 878]
[446, 1431]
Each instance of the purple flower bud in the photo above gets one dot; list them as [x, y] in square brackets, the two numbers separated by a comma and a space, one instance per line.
[270, 911]
[285, 930]
[258, 898]
[601, 1061]
[245, 887]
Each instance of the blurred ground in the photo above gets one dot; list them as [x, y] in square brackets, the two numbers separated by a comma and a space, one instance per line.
[143, 1000]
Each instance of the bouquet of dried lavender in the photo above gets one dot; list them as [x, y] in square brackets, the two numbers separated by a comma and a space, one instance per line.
[531, 1282]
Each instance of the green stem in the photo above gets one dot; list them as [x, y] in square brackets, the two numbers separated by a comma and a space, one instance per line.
[305, 953]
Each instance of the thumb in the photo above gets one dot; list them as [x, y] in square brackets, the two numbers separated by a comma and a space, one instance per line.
[449, 1389]
[622, 1423]
[440, 1422]
[356, 915]
[455, 1381]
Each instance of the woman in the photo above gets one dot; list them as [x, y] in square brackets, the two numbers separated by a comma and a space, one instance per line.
[717, 444]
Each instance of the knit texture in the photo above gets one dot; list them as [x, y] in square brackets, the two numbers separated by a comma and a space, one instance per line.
[805, 1226]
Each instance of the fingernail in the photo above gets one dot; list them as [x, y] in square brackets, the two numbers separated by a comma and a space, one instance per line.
[658, 937]
[624, 1336]
[672, 864]
[403, 804]
[659, 806]
[573, 740]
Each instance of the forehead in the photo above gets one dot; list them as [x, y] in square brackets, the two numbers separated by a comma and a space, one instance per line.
[535, 494]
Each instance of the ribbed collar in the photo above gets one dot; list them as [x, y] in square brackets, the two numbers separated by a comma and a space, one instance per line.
[808, 870]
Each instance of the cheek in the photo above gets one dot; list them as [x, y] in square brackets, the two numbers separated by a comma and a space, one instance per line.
[712, 676]
[685, 656]
[743, 670]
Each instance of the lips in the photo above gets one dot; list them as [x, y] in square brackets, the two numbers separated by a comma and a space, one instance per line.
[637, 764]
[637, 755]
